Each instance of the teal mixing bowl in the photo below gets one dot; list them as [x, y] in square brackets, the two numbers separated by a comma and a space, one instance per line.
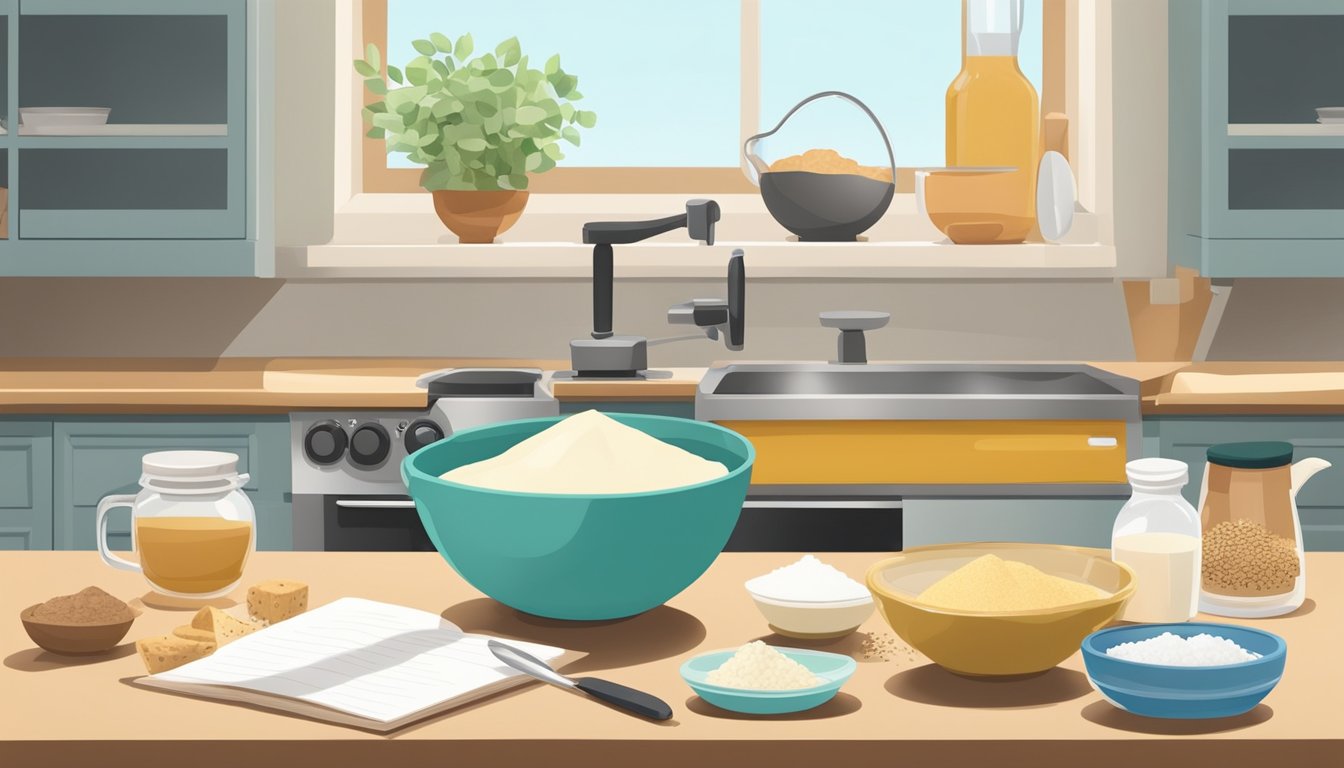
[581, 557]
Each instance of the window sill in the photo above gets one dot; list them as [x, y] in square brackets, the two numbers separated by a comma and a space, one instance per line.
[397, 236]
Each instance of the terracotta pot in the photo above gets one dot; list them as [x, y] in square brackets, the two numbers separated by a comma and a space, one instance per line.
[479, 216]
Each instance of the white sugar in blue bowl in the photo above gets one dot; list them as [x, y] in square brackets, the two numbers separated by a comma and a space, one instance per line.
[1181, 690]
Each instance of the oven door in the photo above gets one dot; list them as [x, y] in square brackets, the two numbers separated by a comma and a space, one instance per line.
[355, 523]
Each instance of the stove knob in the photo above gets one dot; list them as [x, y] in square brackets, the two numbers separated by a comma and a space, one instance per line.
[420, 433]
[370, 444]
[324, 443]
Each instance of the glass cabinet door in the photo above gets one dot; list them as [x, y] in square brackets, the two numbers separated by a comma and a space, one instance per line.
[131, 119]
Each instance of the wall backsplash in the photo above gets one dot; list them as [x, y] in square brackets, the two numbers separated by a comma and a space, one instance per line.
[178, 317]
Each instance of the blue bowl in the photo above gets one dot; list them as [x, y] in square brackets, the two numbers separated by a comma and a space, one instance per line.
[834, 668]
[572, 556]
[1187, 693]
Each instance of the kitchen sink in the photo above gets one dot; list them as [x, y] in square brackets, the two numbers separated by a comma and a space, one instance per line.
[928, 428]
[914, 391]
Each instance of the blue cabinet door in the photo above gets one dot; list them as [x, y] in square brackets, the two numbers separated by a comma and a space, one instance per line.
[25, 485]
[97, 458]
[1320, 503]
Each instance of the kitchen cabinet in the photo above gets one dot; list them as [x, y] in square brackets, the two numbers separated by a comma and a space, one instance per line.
[97, 457]
[1256, 185]
[25, 485]
[1320, 503]
[169, 184]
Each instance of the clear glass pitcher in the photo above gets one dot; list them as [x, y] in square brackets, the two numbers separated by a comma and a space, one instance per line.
[191, 524]
[1253, 564]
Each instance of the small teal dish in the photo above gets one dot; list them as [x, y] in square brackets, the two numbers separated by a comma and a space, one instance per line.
[834, 668]
[1184, 693]
[574, 556]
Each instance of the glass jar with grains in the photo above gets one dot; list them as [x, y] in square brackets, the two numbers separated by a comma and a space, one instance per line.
[1252, 562]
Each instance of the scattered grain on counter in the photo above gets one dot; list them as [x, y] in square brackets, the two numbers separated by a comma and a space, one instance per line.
[990, 583]
[1202, 650]
[1243, 557]
[89, 606]
[885, 647]
[757, 666]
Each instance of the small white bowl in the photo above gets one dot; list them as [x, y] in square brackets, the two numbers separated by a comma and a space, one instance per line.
[63, 117]
[1330, 114]
[813, 620]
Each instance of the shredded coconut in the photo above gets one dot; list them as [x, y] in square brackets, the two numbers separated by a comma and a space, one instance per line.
[759, 667]
[808, 580]
[1202, 650]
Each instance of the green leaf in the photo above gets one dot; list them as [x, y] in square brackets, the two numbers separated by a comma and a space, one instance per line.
[500, 78]
[372, 56]
[530, 115]
[376, 133]
[567, 112]
[441, 42]
[509, 51]
[586, 119]
[365, 69]
[518, 181]
[444, 67]
[472, 145]
[390, 122]
[553, 64]
[463, 47]
[423, 46]
[376, 86]
[571, 135]
[394, 74]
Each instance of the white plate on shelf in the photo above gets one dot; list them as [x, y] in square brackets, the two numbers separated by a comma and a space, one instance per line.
[1331, 114]
[62, 117]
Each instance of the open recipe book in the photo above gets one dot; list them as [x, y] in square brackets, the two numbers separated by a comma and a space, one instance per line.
[355, 662]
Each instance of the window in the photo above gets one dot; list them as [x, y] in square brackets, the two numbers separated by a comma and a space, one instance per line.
[678, 88]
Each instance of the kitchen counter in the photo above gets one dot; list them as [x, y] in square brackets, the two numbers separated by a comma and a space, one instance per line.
[57, 711]
[224, 385]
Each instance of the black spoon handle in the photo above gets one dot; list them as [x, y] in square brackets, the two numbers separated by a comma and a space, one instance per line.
[626, 698]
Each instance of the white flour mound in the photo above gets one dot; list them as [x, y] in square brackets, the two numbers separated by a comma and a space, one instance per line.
[588, 453]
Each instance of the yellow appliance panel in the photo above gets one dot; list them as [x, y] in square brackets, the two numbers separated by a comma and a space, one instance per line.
[893, 452]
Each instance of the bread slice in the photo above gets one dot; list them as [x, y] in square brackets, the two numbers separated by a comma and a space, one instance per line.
[224, 627]
[188, 632]
[277, 600]
[161, 654]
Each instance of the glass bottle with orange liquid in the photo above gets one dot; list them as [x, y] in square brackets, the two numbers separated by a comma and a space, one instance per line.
[993, 119]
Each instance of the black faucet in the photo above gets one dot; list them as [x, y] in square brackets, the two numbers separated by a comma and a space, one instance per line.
[698, 220]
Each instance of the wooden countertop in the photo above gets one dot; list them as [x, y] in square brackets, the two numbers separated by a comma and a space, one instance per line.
[252, 385]
[58, 711]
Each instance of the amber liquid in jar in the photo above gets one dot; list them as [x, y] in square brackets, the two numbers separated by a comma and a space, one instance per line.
[993, 119]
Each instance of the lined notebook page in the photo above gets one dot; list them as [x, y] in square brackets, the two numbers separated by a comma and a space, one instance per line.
[372, 660]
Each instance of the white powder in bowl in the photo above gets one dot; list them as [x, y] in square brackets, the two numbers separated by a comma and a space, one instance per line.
[1202, 650]
[759, 667]
[808, 580]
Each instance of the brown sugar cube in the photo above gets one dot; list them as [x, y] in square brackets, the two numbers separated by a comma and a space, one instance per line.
[161, 654]
[277, 600]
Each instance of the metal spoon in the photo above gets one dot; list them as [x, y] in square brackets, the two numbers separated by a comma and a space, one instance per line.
[626, 698]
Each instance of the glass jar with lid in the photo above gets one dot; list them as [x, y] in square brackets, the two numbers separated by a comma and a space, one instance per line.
[1157, 534]
[191, 524]
[1253, 564]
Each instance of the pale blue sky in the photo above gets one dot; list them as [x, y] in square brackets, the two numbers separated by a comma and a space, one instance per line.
[664, 78]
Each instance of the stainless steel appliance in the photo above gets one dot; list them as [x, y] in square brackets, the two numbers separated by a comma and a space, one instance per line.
[348, 492]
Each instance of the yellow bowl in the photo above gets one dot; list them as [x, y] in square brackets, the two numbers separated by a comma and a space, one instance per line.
[977, 206]
[995, 643]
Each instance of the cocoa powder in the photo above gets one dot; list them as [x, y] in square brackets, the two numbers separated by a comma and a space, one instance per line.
[90, 605]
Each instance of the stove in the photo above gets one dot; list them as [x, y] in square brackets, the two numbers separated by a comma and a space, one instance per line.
[346, 465]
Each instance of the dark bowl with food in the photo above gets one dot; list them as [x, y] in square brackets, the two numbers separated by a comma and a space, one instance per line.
[73, 639]
[825, 207]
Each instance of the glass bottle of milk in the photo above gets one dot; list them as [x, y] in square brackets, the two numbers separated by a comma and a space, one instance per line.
[1157, 534]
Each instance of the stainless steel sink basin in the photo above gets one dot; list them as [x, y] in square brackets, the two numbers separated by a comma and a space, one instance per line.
[809, 391]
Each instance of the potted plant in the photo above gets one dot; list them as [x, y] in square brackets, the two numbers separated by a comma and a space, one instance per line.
[480, 126]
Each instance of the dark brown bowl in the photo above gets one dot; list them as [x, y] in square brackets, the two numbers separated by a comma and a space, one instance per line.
[74, 639]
